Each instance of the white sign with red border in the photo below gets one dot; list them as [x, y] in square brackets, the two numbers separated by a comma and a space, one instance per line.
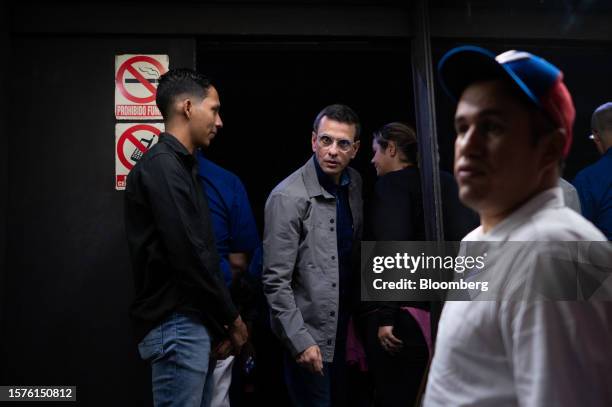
[132, 141]
[136, 79]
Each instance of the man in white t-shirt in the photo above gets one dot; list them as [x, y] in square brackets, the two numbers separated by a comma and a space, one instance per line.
[514, 122]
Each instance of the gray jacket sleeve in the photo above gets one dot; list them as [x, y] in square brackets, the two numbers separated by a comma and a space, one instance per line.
[283, 225]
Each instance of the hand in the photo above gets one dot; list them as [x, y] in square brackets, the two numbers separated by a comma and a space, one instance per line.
[238, 334]
[223, 350]
[388, 341]
[311, 359]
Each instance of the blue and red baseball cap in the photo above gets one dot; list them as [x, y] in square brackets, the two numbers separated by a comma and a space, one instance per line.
[538, 79]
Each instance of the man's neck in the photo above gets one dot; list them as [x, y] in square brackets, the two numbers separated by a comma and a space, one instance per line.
[400, 165]
[491, 218]
[182, 135]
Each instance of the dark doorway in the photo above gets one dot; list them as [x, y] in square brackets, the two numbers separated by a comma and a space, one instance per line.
[271, 91]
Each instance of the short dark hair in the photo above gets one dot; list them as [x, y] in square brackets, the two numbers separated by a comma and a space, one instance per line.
[180, 81]
[403, 136]
[339, 113]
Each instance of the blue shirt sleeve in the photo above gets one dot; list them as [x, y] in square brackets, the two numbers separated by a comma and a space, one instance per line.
[243, 229]
[587, 203]
[256, 265]
[227, 271]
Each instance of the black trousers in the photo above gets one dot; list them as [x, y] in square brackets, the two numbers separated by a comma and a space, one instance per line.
[396, 378]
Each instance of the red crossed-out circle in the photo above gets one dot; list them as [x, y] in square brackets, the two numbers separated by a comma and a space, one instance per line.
[128, 66]
[128, 134]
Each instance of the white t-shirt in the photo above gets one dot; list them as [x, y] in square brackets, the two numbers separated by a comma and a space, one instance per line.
[527, 353]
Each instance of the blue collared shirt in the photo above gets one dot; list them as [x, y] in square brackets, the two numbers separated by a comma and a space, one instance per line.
[232, 218]
[594, 186]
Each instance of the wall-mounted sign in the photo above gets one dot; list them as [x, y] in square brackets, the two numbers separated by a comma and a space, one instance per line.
[136, 79]
[132, 141]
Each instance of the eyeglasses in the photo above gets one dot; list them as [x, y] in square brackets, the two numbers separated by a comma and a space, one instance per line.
[326, 141]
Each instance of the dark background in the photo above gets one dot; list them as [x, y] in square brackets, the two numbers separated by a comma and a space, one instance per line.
[68, 281]
[65, 279]
[271, 92]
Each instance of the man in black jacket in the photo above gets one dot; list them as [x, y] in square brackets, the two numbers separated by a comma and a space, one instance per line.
[182, 313]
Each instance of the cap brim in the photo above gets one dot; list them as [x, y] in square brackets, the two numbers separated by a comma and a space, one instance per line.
[462, 66]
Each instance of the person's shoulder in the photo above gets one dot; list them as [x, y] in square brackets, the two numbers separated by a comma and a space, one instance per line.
[474, 235]
[217, 175]
[293, 185]
[209, 167]
[159, 159]
[562, 224]
[585, 174]
[568, 189]
[288, 197]
[157, 156]
[354, 174]
[602, 168]
[157, 149]
[400, 179]
[391, 184]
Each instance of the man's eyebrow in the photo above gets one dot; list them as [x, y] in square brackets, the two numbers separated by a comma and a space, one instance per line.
[335, 138]
[492, 112]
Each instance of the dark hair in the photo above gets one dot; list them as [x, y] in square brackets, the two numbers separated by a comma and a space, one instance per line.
[339, 113]
[602, 118]
[403, 136]
[177, 82]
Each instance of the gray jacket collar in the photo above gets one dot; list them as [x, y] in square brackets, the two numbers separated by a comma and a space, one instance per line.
[313, 187]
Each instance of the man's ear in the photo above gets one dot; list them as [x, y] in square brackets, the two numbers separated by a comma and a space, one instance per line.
[391, 148]
[314, 141]
[186, 108]
[599, 143]
[355, 148]
[553, 148]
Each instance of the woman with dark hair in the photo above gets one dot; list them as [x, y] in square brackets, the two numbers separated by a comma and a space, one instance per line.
[397, 334]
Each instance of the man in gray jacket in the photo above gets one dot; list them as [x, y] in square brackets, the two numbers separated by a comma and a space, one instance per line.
[313, 221]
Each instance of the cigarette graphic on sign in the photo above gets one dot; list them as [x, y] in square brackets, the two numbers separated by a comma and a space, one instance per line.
[150, 72]
[136, 80]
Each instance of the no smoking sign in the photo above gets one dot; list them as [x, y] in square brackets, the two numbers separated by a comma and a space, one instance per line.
[136, 79]
[132, 141]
